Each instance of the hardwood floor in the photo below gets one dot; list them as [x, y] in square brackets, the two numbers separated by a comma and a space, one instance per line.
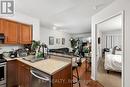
[85, 77]
[111, 79]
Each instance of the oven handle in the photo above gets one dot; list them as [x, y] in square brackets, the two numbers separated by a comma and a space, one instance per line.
[45, 78]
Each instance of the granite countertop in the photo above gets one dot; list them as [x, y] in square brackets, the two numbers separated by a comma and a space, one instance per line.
[49, 66]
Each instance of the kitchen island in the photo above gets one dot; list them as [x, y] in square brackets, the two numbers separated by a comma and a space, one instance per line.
[58, 68]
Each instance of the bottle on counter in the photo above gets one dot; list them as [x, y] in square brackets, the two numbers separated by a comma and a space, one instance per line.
[45, 51]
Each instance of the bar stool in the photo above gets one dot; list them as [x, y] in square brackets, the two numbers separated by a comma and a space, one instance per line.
[75, 67]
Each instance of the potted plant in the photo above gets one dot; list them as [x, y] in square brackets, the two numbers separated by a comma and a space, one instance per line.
[73, 43]
[86, 51]
[34, 46]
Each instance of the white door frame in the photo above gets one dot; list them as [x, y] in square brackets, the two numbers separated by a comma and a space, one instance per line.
[94, 59]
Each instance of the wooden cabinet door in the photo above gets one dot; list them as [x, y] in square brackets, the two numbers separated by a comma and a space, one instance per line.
[24, 76]
[16, 33]
[12, 73]
[25, 34]
[11, 32]
[1, 26]
[27, 75]
[20, 76]
[65, 76]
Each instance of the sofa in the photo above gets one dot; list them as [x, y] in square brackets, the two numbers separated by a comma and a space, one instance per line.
[60, 50]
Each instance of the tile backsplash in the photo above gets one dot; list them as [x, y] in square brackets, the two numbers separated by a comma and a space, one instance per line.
[7, 48]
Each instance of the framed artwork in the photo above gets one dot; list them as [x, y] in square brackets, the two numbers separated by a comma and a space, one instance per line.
[51, 40]
[57, 40]
[63, 41]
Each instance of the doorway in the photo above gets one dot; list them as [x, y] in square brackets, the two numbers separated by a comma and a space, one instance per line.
[109, 51]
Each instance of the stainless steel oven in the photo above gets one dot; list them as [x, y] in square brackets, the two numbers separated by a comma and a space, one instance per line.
[3, 74]
[40, 79]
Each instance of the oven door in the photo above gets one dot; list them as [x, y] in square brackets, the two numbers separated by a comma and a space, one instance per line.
[2, 73]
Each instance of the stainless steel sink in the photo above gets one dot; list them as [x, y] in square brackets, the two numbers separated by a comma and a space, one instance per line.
[32, 58]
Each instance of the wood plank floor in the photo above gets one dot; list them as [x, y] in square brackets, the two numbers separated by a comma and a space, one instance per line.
[111, 79]
[85, 77]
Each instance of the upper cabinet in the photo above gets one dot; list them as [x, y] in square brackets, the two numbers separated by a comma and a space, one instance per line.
[11, 32]
[25, 34]
[15, 32]
[1, 26]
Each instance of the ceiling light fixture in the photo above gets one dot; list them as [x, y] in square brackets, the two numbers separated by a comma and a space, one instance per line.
[54, 28]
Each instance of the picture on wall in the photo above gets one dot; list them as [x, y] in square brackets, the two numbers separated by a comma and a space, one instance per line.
[57, 40]
[63, 41]
[51, 40]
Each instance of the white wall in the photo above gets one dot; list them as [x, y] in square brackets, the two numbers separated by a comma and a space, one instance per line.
[45, 33]
[82, 35]
[114, 38]
[23, 19]
[99, 46]
[113, 9]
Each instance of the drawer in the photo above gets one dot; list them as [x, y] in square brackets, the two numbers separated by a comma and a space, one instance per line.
[20, 64]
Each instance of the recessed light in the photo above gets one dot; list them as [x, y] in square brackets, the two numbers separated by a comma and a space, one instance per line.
[54, 27]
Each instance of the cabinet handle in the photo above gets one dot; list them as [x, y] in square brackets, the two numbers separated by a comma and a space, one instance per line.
[39, 77]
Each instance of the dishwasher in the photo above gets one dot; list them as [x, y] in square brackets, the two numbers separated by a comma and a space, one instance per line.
[40, 79]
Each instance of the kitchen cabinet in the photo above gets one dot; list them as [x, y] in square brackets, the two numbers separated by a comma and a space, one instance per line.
[25, 34]
[1, 26]
[12, 73]
[16, 32]
[24, 76]
[11, 32]
[19, 75]
[63, 78]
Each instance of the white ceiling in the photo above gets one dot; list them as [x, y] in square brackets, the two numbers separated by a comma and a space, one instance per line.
[73, 16]
[111, 24]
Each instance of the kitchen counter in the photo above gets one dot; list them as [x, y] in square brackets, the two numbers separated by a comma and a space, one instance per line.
[49, 66]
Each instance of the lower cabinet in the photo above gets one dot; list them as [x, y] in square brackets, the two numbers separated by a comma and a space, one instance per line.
[12, 74]
[18, 75]
[63, 78]
[24, 76]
